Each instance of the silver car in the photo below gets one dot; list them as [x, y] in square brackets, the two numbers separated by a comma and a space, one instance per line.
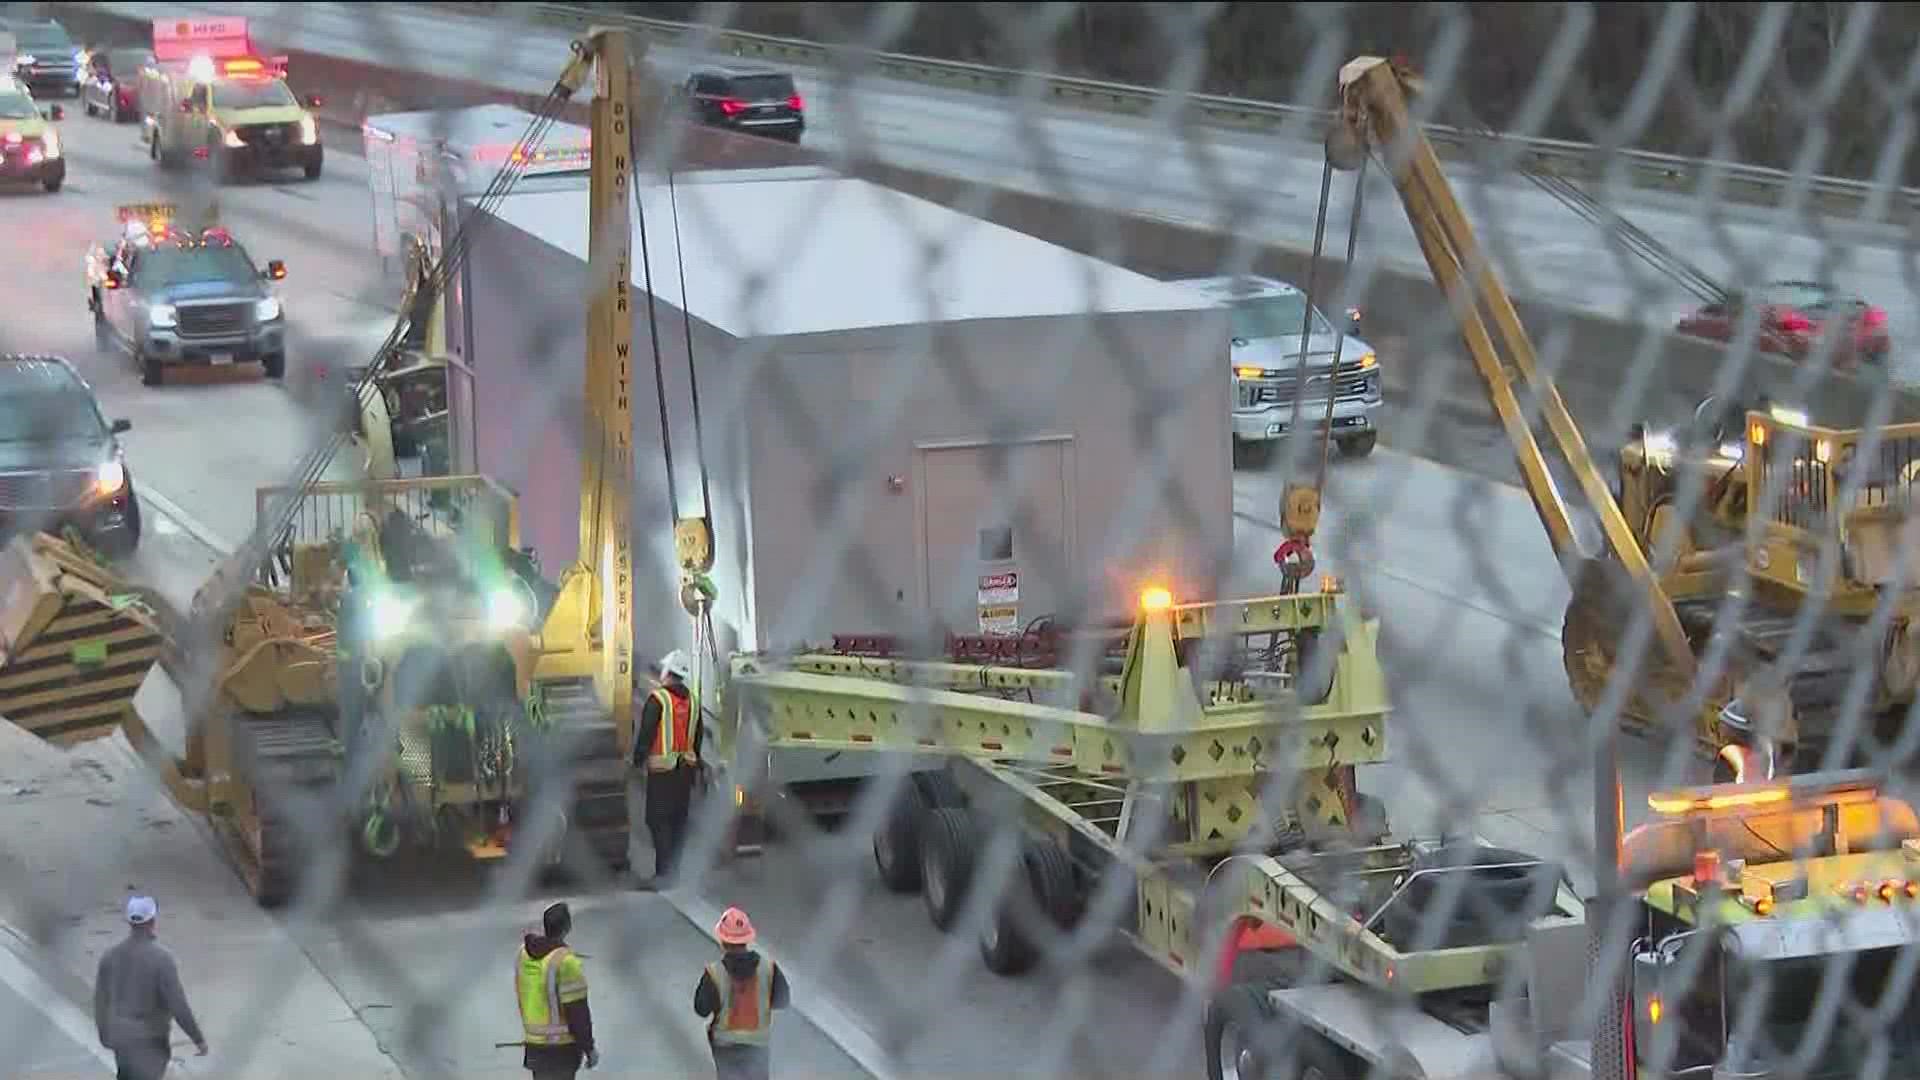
[1267, 317]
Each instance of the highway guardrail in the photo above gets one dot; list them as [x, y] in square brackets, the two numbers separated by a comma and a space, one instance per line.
[1645, 169]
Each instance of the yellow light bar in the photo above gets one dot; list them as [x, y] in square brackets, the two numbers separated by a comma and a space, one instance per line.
[1670, 803]
[1249, 372]
[1155, 599]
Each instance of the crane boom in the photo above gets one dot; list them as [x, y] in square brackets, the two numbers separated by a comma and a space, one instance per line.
[1374, 115]
[589, 631]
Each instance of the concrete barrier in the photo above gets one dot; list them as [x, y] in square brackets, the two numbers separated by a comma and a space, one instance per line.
[1610, 372]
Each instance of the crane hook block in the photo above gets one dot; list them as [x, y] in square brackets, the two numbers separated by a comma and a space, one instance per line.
[693, 544]
[1300, 510]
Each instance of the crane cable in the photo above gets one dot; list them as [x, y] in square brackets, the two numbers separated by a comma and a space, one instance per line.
[659, 364]
[1307, 315]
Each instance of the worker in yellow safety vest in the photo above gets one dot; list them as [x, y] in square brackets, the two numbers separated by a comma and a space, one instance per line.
[737, 994]
[666, 746]
[552, 990]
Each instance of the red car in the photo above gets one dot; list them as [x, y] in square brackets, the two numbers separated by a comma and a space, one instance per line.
[1793, 316]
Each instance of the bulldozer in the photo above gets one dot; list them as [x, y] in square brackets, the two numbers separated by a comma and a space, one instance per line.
[374, 675]
[388, 663]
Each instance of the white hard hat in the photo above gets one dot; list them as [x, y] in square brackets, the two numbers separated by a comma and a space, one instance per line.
[678, 663]
[141, 910]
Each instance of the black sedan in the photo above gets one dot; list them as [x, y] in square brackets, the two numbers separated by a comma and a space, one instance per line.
[110, 83]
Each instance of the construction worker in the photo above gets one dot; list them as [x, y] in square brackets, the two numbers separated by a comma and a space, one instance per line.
[737, 994]
[552, 990]
[137, 998]
[666, 744]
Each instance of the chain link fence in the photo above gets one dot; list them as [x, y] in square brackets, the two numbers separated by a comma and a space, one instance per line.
[1107, 440]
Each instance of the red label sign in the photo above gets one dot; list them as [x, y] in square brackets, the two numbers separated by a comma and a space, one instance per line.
[1008, 580]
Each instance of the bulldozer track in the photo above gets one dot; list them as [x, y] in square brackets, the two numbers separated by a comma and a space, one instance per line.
[281, 761]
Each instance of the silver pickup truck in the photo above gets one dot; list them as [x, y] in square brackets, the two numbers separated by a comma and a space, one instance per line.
[1266, 318]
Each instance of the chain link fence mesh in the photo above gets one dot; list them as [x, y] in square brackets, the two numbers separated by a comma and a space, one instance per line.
[1427, 534]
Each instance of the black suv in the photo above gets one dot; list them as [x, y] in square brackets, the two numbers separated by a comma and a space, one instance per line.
[756, 101]
[60, 462]
[45, 58]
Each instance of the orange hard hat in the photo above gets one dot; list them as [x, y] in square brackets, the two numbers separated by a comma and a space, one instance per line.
[734, 928]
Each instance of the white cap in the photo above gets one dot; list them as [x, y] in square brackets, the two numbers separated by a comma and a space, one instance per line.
[141, 910]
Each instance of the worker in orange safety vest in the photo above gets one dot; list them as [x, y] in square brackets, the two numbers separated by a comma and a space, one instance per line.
[737, 994]
[666, 747]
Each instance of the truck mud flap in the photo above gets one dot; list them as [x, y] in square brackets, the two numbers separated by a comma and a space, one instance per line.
[76, 642]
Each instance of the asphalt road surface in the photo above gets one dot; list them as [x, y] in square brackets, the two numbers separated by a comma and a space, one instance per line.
[1541, 248]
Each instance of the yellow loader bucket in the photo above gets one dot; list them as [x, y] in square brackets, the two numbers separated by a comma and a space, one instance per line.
[76, 642]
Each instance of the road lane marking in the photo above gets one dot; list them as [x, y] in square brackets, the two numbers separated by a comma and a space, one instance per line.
[34, 988]
[187, 522]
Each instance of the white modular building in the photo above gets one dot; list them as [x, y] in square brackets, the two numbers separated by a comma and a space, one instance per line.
[909, 417]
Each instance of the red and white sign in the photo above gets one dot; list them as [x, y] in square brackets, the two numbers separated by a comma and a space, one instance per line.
[1000, 603]
[183, 39]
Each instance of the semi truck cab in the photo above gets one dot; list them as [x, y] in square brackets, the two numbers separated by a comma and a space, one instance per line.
[1772, 920]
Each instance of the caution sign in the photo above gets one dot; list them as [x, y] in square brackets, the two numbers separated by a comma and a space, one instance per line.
[999, 602]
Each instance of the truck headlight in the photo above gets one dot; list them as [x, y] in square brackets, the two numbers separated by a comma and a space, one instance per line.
[506, 609]
[266, 310]
[162, 317]
[391, 614]
[109, 477]
[309, 131]
[233, 139]
[1368, 361]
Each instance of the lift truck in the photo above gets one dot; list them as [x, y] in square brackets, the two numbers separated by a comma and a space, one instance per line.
[1806, 517]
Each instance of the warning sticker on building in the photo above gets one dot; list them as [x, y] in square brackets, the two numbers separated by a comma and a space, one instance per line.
[1000, 603]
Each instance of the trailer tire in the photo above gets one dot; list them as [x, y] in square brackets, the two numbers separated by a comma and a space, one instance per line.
[1055, 887]
[896, 843]
[948, 840]
[1239, 1029]
[1006, 942]
[938, 788]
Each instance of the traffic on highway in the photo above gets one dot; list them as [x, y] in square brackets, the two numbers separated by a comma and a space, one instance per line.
[788, 623]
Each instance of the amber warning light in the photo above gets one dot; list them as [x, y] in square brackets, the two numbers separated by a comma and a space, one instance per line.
[1155, 598]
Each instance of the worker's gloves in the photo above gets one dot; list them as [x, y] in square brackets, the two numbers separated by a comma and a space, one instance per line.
[593, 1059]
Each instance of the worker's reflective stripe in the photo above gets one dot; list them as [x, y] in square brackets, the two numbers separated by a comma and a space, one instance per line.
[541, 1017]
[673, 738]
[746, 1019]
[1736, 759]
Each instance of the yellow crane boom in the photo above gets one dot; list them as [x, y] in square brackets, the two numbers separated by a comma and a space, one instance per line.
[1374, 116]
[589, 631]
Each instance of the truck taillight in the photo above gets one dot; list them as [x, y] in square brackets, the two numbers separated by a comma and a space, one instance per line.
[732, 106]
[796, 103]
[1875, 317]
[1794, 323]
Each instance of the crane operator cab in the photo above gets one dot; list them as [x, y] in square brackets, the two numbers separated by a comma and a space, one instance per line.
[208, 98]
[1756, 902]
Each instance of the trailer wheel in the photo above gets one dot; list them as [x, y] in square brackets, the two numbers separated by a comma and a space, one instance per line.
[947, 843]
[896, 843]
[1006, 943]
[1240, 1027]
[938, 788]
[1050, 871]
